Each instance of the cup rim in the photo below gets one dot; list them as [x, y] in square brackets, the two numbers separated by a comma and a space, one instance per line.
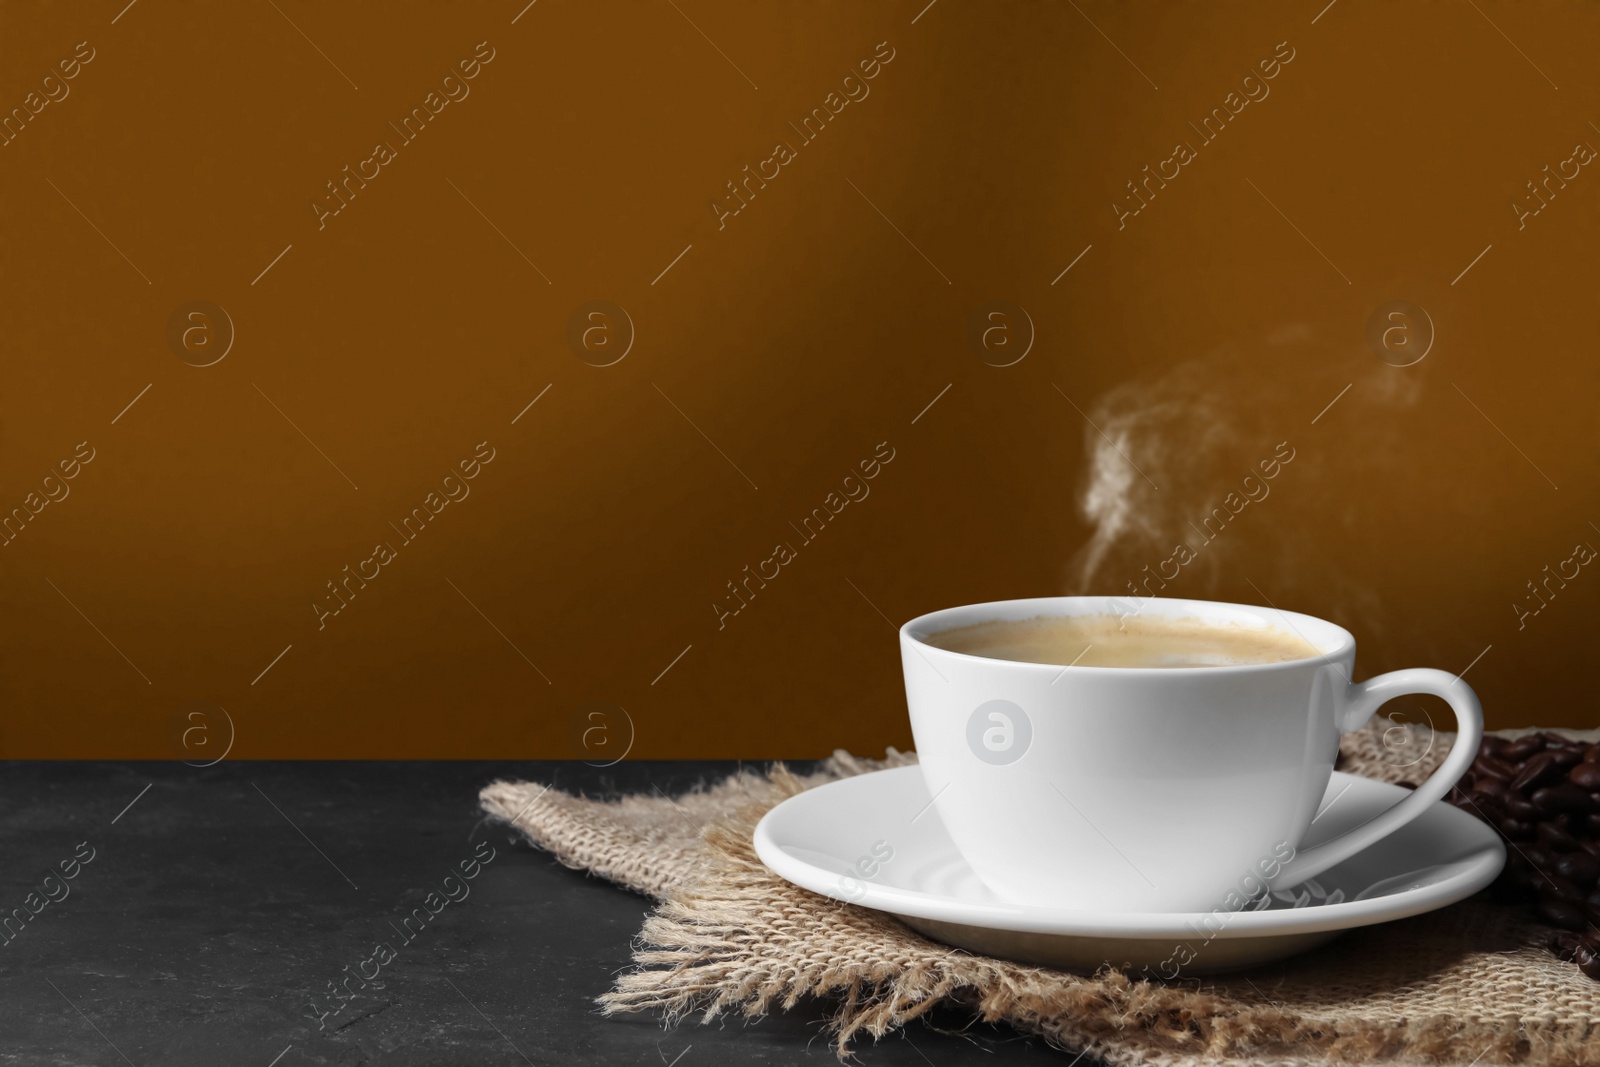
[1337, 644]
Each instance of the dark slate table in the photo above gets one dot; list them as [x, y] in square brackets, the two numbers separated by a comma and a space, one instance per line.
[218, 902]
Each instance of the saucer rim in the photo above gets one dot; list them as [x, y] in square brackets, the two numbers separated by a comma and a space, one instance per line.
[1483, 864]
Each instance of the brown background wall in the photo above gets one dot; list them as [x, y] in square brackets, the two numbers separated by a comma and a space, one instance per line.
[770, 355]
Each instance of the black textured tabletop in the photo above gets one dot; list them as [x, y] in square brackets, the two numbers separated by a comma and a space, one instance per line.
[209, 912]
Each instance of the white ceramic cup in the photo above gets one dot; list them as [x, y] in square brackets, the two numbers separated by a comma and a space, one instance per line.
[1142, 789]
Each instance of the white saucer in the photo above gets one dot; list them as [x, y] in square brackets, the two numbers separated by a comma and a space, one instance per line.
[876, 840]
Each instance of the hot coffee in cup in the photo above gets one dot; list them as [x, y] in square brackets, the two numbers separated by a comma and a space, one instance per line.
[1124, 641]
[1082, 758]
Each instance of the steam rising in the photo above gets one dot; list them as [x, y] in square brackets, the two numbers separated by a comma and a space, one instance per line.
[1164, 453]
[1145, 460]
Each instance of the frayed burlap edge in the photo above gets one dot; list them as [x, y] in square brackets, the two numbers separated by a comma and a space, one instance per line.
[647, 842]
[730, 938]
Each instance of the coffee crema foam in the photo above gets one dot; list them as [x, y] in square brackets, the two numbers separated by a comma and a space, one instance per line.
[1113, 641]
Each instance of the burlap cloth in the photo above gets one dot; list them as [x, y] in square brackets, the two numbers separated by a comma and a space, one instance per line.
[1470, 984]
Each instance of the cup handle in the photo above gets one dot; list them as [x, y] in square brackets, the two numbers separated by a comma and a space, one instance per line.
[1364, 698]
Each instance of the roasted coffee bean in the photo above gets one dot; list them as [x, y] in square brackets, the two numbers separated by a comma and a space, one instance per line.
[1488, 766]
[1516, 829]
[1537, 771]
[1485, 806]
[1561, 913]
[1519, 807]
[1564, 944]
[1562, 797]
[1553, 886]
[1553, 838]
[1566, 758]
[1580, 867]
[1522, 748]
[1543, 792]
[1491, 786]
